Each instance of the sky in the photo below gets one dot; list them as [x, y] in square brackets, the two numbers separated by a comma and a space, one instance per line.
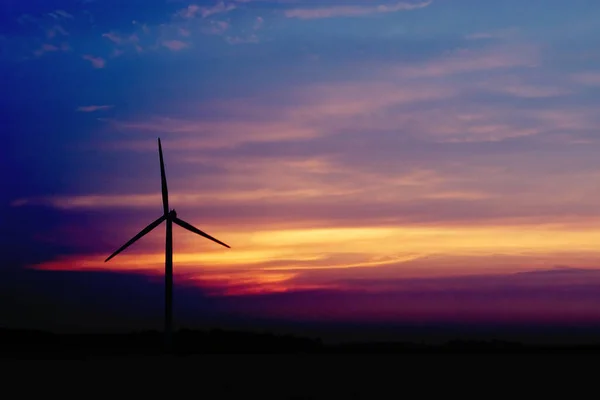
[367, 161]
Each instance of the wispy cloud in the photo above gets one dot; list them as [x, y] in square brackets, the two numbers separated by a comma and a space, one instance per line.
[48, 48]
[193, 10]
[121, 41]
[113, 37]
[55, 30]
[216, 27]
[587, 78]
[320, 110]
[239, 39]
[468, 60]
[97, 62]
[45, 48]
[520, 86]
[188, 12]
[413, 100]
[352, 10]
[58, 14]
[258, 23]
[94, 108]
[251, 37]
[174, 45]
[496, 34]
[220, 7]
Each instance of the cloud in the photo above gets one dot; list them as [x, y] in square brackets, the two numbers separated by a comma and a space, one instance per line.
[199, 134]
[93, 108]
[97, 62]
[400, 287]
[49, 48]
[498, 34]
[523, 86]
[529, 91]
[45, 49]
[216, 27]
[64, 14]
[193, 10]
[339, 190]
[189, 12]
[58, 14]
[438, 100]
[528, 300]
[113, 37]
[478, 299]
[144, 27]
[258, 23]
[174, 45]
[239, 40]
[121, 41]
[409, 99]
[351, 10]
[587, 78]
[467, 61]
[56, 29]
[220, 7]
[568, 297]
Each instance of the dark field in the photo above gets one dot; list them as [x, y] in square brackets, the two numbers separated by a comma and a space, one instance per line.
[22, 344]
[226, 364]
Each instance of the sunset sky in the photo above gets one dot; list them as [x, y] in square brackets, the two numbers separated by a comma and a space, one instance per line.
[365, 160]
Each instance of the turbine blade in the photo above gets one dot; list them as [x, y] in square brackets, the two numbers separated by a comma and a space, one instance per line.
[197, 231]
[163, 180]
[138, 236]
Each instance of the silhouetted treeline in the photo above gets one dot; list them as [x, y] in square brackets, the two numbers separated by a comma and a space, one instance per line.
[36, 344]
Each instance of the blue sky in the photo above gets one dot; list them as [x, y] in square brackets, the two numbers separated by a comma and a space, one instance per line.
[332, 143]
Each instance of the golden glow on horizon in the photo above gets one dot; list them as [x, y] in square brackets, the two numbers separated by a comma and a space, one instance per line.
[270, 260]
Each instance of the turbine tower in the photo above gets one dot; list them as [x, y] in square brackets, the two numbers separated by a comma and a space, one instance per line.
[170, 216]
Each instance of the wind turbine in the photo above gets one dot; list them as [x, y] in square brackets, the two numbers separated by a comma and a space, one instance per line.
[170, 217]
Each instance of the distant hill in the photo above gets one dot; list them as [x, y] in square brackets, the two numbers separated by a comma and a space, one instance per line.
[38, 344]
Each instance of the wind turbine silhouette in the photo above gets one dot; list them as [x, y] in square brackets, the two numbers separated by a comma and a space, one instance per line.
[170, 217]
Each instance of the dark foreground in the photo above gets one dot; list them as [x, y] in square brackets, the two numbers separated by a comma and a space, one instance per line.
[224, 365]
[21, 344]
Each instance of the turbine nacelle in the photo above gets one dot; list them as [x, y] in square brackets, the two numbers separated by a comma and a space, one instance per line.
[172, 214]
